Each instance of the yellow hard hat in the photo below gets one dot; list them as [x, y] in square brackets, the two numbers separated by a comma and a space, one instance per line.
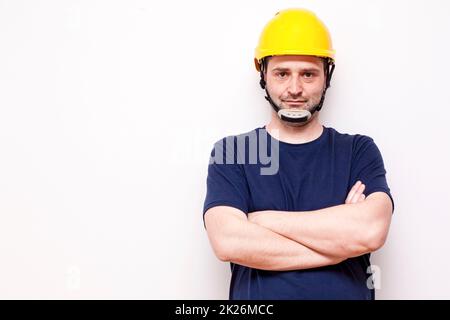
[294, 32]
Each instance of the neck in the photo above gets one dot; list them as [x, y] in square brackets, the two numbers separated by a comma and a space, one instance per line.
[295, 135]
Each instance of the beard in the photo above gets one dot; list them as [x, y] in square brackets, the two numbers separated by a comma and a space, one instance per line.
[309, 105]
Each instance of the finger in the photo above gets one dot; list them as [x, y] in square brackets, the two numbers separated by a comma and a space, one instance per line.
[358, 193]
[361, 189]
[362, 197]
[352, 192]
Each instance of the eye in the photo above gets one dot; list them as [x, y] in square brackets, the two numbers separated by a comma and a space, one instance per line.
[308, 75]
[282, 74]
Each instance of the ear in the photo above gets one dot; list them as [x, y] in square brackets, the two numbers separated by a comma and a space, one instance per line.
[257, 65]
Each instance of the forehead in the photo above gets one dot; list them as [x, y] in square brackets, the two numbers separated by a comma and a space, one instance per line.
[295, 62]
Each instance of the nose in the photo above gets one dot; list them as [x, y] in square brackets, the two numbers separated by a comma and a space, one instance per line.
[295, 87]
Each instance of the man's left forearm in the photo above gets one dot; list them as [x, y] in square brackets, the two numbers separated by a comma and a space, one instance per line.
[345, 231]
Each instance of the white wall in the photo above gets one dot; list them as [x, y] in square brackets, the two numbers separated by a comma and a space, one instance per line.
[109, 109]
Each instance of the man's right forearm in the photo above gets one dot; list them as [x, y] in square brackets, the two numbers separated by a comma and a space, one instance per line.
[254, 246]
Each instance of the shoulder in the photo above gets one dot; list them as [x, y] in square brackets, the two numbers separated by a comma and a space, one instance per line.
[355, 141]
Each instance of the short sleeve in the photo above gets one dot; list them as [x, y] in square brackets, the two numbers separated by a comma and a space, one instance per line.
[368, 166]
[226, 184]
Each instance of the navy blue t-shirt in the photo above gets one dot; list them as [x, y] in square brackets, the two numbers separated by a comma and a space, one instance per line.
[309, 176]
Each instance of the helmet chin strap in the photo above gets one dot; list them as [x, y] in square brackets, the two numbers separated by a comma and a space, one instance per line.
[298, 117]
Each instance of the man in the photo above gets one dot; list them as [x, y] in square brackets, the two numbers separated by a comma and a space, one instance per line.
[304, 230]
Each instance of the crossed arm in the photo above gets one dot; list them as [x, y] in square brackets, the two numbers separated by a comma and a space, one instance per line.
[277, 240]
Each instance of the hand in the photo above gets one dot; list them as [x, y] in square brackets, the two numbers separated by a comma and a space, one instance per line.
[356, 193]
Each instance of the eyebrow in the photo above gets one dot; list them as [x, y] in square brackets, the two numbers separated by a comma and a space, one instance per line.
[302, 70]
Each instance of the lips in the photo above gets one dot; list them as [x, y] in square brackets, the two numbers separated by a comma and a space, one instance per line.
[295, 103]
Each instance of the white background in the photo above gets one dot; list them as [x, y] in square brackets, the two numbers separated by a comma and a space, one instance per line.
[109, 110]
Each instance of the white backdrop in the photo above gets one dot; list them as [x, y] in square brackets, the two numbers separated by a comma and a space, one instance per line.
[109, 110]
